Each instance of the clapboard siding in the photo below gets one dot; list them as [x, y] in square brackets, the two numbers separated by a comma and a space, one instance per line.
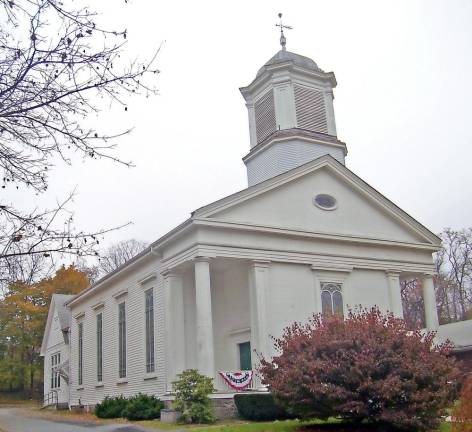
[282, 157]
[55, 345]
[136, 377]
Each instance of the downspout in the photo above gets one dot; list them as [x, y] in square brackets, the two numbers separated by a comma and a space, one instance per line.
[70, 368]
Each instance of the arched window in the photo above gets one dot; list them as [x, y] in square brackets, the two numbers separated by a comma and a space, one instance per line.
[331, 299]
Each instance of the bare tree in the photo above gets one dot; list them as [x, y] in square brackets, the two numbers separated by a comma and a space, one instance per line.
[453, 283]
[119, 253]
[26, 269]
[413, 303]
[57, 66]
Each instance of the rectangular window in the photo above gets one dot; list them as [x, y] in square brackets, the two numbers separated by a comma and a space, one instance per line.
[149, 312]
[55, 377]
[81, 352]
[122, 340]
[99, 348]
[245, 356]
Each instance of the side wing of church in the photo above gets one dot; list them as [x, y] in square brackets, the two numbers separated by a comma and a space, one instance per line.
[306, 236]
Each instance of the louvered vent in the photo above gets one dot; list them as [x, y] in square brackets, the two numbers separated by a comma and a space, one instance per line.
[265, 116]
[310, 109]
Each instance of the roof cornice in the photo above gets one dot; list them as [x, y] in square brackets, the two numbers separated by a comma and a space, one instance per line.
[323, 235]
[291, 134]
[153, 249]
[290, 67]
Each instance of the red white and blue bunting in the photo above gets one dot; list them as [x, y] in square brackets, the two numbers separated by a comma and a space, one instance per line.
[238, 380]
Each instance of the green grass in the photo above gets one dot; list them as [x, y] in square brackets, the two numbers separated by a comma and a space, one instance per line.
[17, 401]
[241, 426]
[233, 426]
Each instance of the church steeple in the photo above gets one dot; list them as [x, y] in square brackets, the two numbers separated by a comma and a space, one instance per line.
[291, 115]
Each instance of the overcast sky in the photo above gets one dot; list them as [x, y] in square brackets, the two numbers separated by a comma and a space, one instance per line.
[402, 105]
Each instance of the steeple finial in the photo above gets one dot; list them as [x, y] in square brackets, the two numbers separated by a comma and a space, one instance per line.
[283, 41]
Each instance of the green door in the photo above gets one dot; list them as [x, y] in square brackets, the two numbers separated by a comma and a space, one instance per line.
[245, 356]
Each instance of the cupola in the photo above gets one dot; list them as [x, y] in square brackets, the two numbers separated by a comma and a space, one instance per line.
[291, 116]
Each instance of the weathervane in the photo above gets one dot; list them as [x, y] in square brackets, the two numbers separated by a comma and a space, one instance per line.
[283, 41]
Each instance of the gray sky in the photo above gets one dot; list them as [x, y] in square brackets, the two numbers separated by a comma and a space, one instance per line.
[402, 105]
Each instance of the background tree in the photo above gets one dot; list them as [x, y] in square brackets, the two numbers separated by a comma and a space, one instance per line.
[57, 67]
[413, 303]
[367, 367]
[452, 282]
[23, 312]
[118, 253]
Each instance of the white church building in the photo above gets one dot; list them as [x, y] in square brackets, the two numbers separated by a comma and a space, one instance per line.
[307, 235]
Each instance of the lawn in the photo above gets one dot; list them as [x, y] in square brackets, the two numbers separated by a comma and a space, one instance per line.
[277, 426]
[333, 425]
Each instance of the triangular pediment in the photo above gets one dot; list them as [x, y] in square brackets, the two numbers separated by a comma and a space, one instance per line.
[286, 202]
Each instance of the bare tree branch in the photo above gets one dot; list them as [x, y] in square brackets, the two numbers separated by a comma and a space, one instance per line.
[56, 67]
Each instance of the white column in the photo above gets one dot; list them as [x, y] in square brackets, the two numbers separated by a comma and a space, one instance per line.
[260, 339]
[259, 283]
[175, 326]
[394, 293]
[429, 298]
[204, 320]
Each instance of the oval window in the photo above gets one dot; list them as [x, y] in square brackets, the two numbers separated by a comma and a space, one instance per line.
[325, 201]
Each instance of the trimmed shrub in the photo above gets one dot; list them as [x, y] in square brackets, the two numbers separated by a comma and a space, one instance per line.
[191, 397]
[143, 407]
[259, 407]
[111, 407]
[462, 413]
[368, 367]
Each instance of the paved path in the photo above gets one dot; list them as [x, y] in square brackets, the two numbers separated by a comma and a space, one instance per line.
[13, 420]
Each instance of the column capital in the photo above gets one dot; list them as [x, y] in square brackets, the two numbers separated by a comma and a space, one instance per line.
[393, 273]
[260, 263]
[201, 258]
[169, 272]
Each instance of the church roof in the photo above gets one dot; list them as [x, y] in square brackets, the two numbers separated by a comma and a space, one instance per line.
[59, 303]
[431, 240]
[287, 56]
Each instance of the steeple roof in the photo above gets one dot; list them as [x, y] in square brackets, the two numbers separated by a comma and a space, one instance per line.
[286, 56]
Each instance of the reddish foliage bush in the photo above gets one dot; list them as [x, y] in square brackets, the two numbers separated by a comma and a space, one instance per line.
[462, 414]
[367, 367]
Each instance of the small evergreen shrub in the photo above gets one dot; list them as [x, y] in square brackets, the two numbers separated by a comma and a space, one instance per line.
[111, 407]
[191, 397]
[259, 407]
[143, 407]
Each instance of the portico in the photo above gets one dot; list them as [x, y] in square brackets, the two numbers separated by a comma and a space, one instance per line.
[219, 305]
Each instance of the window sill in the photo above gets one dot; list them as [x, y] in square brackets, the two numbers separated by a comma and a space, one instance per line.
[80, 388]
[122, 381]
[150, 376]
[99, 384]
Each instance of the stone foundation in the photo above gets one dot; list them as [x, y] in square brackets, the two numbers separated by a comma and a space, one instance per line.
[83, 408]
[224, 408]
